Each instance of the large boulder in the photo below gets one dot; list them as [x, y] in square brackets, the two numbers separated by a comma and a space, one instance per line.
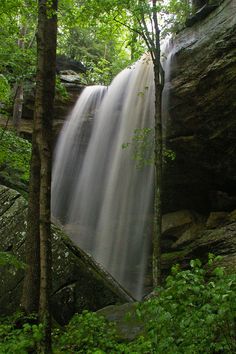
[214, 234]
[201, 127]
[79, 283]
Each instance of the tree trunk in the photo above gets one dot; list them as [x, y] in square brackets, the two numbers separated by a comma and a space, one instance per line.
[18, 105]
[30, 296]
[44, 103]
[37, 283]
[157, 220]
[158, 154]
[19, 88]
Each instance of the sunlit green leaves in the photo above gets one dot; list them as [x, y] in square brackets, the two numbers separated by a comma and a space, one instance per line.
[18, 336]
[14, 155]
[141, 145]
[5, 90]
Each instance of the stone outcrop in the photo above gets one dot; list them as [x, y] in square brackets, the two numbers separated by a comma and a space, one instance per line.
[73, 85]
[201, 128]
[70, 73]
[195, 236]
[189, 235]
[79, 283]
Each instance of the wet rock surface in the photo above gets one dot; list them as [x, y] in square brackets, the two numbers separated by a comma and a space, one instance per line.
[215, 233]
[127, 324]
[202, 111]
[79, 283]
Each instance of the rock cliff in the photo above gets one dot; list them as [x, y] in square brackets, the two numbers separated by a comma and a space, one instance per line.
[201, 127]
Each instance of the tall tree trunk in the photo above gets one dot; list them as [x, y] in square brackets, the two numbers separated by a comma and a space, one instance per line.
[19, 87]
[37, 283]
[158, 153]
[30, 295]
[18, 105]
[157, 220]
[44, 103]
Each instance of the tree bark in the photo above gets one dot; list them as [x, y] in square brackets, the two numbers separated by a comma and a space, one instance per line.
[158, 153]
[18, 105]
[30, 295]
[44, 104]
[37, 283]
[157, 219]
[19, 88]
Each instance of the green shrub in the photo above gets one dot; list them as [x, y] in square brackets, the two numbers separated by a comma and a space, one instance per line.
[5, 90]
[22, 340]
[192, 314]
[86, 333]
[15, 156]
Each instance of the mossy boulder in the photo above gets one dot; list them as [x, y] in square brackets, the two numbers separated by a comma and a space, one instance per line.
[125, 319]
[79, 283]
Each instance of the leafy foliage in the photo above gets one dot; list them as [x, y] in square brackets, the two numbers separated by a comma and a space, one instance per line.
[14, 155]
[61, 91]
[142, 147]
[5, 90]
[87, 333]
[177, 12]
[17, 338]
[194, 313]
[7, 258]
[17, 63]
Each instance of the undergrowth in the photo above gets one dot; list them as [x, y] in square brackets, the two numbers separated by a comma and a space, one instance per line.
[15, 153]
[193, 313]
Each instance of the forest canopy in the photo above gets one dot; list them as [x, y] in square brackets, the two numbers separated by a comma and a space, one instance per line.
[102, 35]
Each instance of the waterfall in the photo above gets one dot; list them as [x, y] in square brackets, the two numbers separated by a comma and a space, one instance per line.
[99, 194]
[70, 150]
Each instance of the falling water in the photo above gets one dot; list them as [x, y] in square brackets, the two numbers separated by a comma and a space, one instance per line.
[99, 195]
[71, 148]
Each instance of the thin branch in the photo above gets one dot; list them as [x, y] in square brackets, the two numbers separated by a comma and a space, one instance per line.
[147, 42]
[143, 22]
[156, 26]
[127, 26]
[32, 41]
[153, 32]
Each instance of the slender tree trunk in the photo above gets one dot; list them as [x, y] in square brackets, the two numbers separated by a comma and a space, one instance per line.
[37, 283]
[18, 105]
[30, 295]
[19, 88]
[157, 220]
[44, 103]
[158, 153]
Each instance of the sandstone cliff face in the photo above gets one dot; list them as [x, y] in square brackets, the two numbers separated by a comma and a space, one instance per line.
[202, 115]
